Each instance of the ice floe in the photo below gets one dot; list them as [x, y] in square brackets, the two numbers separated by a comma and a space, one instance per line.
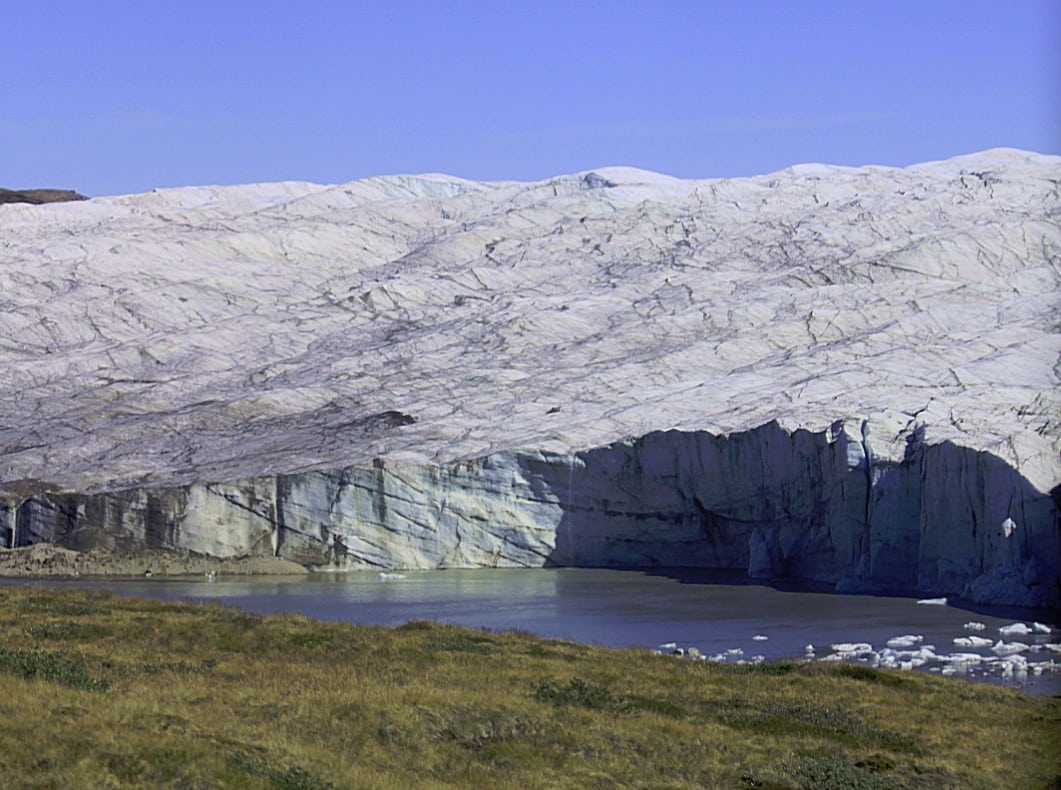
[973, 641]
[854, 648]
[907, 640]
[1008, 648]
[1001, 660]
[1016, 629]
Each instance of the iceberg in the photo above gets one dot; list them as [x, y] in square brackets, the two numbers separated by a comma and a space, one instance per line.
[908, 640]
[1008, 648]
[1016, 629]
[973, 641]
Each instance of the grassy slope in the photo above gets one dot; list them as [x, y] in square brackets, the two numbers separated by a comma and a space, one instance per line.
[107, 691]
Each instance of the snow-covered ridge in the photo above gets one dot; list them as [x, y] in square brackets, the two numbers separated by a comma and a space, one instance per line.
[205, 335]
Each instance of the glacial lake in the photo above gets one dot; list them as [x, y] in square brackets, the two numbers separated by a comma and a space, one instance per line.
[623, 608]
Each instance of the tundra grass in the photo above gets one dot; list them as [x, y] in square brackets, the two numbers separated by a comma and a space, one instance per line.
[104, 691]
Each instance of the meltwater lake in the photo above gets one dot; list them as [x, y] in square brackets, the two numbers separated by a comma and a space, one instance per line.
[722, 618]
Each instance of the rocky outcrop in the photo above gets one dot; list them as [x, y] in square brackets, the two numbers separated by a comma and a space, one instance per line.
[39, 196]
[840, 374]
[776, 504]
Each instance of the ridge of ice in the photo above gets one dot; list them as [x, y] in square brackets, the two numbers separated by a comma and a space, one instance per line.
[229, 332]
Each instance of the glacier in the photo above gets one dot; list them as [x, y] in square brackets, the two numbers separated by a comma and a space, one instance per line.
[833, 374]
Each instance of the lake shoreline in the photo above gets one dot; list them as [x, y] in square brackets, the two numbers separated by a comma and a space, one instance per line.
[45, 560]
[48, 561]
[113, 690]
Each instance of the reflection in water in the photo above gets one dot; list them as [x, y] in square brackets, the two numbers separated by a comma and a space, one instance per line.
[623, 608]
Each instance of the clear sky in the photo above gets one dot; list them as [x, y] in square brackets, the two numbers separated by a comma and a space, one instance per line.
[110, 97]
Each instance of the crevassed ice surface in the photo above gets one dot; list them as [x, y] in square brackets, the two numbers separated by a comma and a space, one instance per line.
[217, 333]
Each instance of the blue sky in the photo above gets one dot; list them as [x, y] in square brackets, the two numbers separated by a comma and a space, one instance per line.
[113, 97]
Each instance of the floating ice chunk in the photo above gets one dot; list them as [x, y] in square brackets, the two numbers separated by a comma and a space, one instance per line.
[975, 626]
[693, 652]
[735, 651]
[852, 647]
[907, 640]
[809, 649]
[924, 655]
[832, 657]
[668, 646]
[1016, 629]
[383, 576]
[1008, 648]
[1041, 628]
[933, 601]
[759, 638]
[906, 665]
[1011, 663]
[972, 641]
[963, 659]
[1018, 671]
[1054, 647]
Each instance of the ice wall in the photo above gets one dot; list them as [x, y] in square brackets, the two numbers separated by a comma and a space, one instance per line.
[777, 504]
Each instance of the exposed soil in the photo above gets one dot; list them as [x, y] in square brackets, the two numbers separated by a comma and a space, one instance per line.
[45, 559]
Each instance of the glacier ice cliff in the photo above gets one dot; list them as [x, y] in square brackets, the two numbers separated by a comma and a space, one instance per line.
[846, 375]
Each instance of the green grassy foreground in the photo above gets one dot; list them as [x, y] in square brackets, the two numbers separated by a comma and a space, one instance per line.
[103, 691]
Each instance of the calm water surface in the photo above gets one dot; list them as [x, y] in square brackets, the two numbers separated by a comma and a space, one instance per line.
[620, 608]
